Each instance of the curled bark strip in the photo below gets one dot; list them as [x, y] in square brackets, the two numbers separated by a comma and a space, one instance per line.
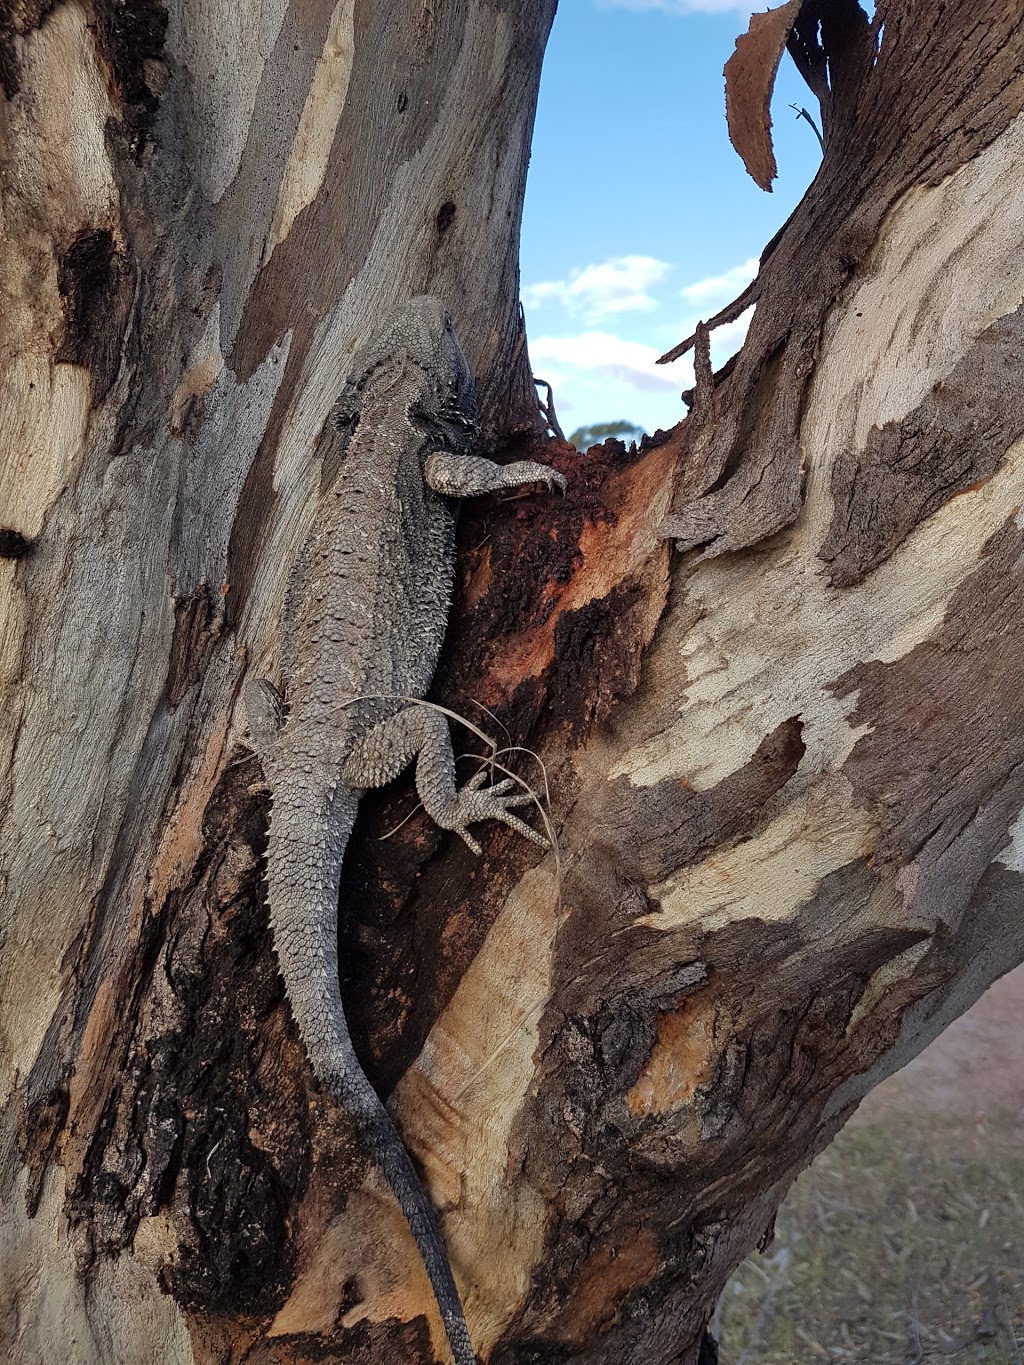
[747, 485]
[729, 313]
[704, 389]
[749, 80]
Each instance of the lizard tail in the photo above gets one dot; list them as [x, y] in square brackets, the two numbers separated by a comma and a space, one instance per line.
[389, 1149]
[303, 870]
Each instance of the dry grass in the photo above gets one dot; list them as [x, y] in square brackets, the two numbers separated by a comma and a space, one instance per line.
[902, 1245]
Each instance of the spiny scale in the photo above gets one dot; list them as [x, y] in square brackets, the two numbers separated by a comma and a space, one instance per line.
[365, 616]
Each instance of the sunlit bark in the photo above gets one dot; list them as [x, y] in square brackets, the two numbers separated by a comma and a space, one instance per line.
[786, 763]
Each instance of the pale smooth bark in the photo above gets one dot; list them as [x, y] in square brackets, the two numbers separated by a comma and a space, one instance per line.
[786, 764]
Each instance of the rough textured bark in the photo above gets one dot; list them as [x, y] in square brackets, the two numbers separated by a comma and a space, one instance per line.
[785, 765]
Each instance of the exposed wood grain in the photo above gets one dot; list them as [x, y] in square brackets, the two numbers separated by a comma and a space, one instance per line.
[784, 769]
[879, 157]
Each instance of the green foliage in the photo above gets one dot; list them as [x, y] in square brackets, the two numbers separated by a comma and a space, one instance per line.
[585, 437]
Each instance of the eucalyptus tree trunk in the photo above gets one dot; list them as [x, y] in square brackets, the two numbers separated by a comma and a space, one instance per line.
[785, 762]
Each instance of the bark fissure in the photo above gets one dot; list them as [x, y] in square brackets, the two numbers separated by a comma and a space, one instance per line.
[786, 771]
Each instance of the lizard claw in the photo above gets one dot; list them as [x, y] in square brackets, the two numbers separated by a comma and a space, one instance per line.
[551, 479]
[491, 803]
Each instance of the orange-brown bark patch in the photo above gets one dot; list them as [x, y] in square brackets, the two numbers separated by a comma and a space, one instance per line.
[184, 836]
[607, 1276]
[478, 583]
[749, 80]
[612, 546]
[683, 1057]
[87, 1092]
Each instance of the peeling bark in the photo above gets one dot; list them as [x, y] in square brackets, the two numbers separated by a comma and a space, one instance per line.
[784, 765]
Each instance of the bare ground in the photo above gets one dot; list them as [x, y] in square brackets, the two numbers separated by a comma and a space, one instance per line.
[903, 1244]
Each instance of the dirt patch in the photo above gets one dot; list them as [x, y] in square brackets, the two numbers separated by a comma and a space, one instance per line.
[903, 1244]
[973, 1071]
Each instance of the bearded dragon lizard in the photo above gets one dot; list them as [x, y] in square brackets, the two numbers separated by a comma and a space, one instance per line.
[365, 615]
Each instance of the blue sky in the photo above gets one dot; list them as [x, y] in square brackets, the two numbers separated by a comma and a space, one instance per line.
[639, 217]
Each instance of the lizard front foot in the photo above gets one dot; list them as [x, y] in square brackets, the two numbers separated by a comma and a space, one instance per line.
[492, 803]
[467, 476]
[529, 471]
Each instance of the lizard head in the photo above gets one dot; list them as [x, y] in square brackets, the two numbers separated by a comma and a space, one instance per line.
[424, 330]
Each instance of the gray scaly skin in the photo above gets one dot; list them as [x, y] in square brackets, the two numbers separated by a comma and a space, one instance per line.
[365, 616]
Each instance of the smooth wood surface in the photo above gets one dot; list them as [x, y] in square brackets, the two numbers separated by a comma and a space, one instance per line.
[785, 764]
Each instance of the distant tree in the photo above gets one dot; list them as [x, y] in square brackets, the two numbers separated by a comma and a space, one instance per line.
[770, 666]
[585, 437]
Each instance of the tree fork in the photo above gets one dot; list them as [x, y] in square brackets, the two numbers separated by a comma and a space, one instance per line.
[785, 764]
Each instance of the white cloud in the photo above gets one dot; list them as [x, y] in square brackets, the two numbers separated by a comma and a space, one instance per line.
[601, 354]
[618, 285]
[721, 289]
[598, 376]
[727, 339]
[686, 6]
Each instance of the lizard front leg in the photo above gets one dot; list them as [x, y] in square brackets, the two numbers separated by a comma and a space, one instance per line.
[418, 731]
[467, 476]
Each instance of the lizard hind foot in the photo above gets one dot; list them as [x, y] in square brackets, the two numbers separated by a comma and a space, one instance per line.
[475, 802]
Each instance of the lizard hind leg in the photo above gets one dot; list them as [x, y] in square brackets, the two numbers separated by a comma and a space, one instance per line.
[419, 731]
[264, 709]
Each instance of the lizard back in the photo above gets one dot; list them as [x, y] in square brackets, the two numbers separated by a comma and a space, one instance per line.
[365, 617]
